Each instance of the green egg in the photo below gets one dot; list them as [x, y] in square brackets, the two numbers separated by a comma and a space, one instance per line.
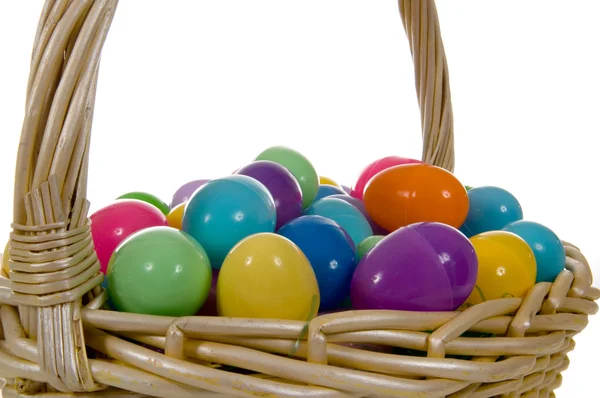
[300, 167]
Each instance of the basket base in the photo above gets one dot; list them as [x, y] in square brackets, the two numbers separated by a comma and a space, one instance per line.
[8, 391]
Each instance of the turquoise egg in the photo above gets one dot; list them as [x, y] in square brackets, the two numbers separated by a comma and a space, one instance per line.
[328, 190]
[345, 215]
[490, 209]
[548, 249]
[226, 210]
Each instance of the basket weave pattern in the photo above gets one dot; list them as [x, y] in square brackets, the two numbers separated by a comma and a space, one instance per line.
[56, 341]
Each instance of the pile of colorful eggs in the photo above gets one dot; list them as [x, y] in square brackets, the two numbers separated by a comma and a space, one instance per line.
[275, 240]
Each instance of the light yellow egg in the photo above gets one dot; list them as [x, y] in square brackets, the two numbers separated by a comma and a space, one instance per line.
[175, 217]
[267, 276]
[328, 181]
[5, 268]
[506, 267]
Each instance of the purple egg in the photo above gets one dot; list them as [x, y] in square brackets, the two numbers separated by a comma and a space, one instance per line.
[209, 308]
[456, 254]
[421, 267]
[377, 230]
[346, 189]
[185, 191]
[282, 185]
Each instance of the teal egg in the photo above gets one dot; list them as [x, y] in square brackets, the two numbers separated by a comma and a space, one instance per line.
[490, 209]
[345, 215]
[226, 210]
[548, 249]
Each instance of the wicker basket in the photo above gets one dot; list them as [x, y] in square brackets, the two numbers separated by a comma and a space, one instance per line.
[56, 341]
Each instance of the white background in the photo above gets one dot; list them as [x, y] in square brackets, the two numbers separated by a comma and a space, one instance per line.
[195, 89]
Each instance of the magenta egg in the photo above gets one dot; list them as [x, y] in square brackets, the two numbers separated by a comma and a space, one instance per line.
[375, 167]
[113, 223]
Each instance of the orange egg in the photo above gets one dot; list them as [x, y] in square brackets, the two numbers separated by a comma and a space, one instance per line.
[175, 217]
[411, 193]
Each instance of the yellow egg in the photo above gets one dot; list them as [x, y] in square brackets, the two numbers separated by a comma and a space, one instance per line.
[328, 181]
[507, 267]
[267, 276]
[175, 217]
[5, 268]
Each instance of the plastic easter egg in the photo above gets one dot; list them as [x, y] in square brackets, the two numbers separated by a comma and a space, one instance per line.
[328, 181]
[330, 252]
[375, 167]
[468, 187]
[456, 254]
[113, 223]
[159, 271]
[5, 267]
[345, 215]
[282, 186]
[149, 198]
[412, 193]
[366, 245]
[299, 166]
[359, 204]
[346, 189]
[550, 256]
[185, 191]
[226, 210]
[175, 216]
[108, 305]
[403, 272]
[209, 308]
[490, 209]
[507, 266]
[267, 276]
[328, 190]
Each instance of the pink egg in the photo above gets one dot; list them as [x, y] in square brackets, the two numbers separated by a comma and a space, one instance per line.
[114, 223]
[375, 167]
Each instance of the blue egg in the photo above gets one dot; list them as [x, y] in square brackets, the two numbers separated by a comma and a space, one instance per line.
[328, 190]
[331, 254]
[345, 215]
[549, 252]
[109, 304]
[490, 209]
[226, 210]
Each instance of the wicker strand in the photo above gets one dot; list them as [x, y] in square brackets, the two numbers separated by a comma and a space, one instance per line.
[52, 12]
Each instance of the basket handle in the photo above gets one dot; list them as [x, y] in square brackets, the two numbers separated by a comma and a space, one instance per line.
[432, 80]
